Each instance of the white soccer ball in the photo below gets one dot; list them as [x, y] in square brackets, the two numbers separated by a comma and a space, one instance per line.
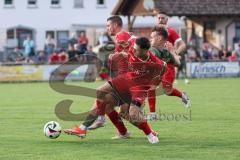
[52, 129]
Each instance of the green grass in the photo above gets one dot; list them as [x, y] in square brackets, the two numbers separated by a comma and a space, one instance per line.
[213, 132]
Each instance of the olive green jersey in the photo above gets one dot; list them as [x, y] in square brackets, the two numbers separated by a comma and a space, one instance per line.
[163, 54]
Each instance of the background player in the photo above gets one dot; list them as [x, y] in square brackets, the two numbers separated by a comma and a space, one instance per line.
[179, 46]
[159, 36]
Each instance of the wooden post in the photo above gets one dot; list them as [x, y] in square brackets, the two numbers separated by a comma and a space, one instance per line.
[130, 22]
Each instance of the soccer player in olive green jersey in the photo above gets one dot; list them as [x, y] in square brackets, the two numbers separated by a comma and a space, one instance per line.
[165, 51]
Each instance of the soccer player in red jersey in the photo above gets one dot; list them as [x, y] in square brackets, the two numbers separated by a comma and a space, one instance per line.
[174, 40]
[144, 73]
[123, 41]
[114, 28]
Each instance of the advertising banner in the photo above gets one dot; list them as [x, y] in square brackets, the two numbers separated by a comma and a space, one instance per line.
[21, 73]
[213, 69]
[43, 72]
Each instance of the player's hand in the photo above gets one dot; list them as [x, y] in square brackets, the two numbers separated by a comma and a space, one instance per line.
[169, 46]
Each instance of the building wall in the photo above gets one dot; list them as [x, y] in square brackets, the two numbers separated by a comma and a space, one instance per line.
[43, 17]
[90, 18]
[219, 34]
[46, 17]
[2, 38]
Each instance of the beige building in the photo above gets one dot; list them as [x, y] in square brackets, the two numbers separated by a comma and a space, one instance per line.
[213, 21]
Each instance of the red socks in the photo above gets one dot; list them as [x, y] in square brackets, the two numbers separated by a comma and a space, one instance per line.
[100, 107]
[176, 93]
[144, 126]
[117, 122]
[152, 101]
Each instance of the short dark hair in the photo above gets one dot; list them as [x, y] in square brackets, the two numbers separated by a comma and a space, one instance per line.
[116, 19]
[143, 43]
[162, 31]
[162, 12]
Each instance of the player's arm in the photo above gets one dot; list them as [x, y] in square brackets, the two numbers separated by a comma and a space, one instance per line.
[161, 67]
[179, 44]
[119, 60]
[172, 55]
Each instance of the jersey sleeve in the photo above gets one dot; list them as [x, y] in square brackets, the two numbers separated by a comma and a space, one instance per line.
[155, 52]
[170, 58]
[164, 55]
[173, 36]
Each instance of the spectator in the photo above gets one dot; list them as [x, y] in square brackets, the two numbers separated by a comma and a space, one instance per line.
[238, 52]
[221, 53]
[54, 58]
[192, 54]
[62, 57]
[90, 55]
[229, 52]
[73, 53]
[83, 42]
[41, 57]
[29, 46]
[206, 55]
[233, 57]
[50, 45]
[15, 56]
[103, 39]
[73, 40]
[215, 56]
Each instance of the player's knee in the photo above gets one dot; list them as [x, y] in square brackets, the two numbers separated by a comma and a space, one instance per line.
[124, 111]
[109, 99]
[100, 93]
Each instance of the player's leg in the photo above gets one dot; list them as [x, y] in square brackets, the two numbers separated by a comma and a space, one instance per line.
[183, 68]
[97, 109]
[102, 91]
[167, 83]
[111, 102]
[152, 105]
[136, 115]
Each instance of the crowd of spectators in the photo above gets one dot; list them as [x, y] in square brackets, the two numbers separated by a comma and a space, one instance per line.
[209, 53]
[78, 50]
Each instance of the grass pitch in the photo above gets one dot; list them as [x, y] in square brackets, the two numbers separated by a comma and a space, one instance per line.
[210, 131]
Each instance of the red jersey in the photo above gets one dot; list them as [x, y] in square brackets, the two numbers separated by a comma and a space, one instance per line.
[83, 40]
[62, 58]
[142, 72]
[119, 63]
[173, 36]
[139, 77]
[123, 36]
[54, 59]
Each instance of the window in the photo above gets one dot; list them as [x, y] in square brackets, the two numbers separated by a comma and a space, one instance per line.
[32, 3]
[238, 30]
[10, 34]
[101, 4]
[78, 3]
[52, 33]
[55, 3]
[62, 39]
[8, 4]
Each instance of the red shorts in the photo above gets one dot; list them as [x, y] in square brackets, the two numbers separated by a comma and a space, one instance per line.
[139, 93]
[128, 90]
[168, 78]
